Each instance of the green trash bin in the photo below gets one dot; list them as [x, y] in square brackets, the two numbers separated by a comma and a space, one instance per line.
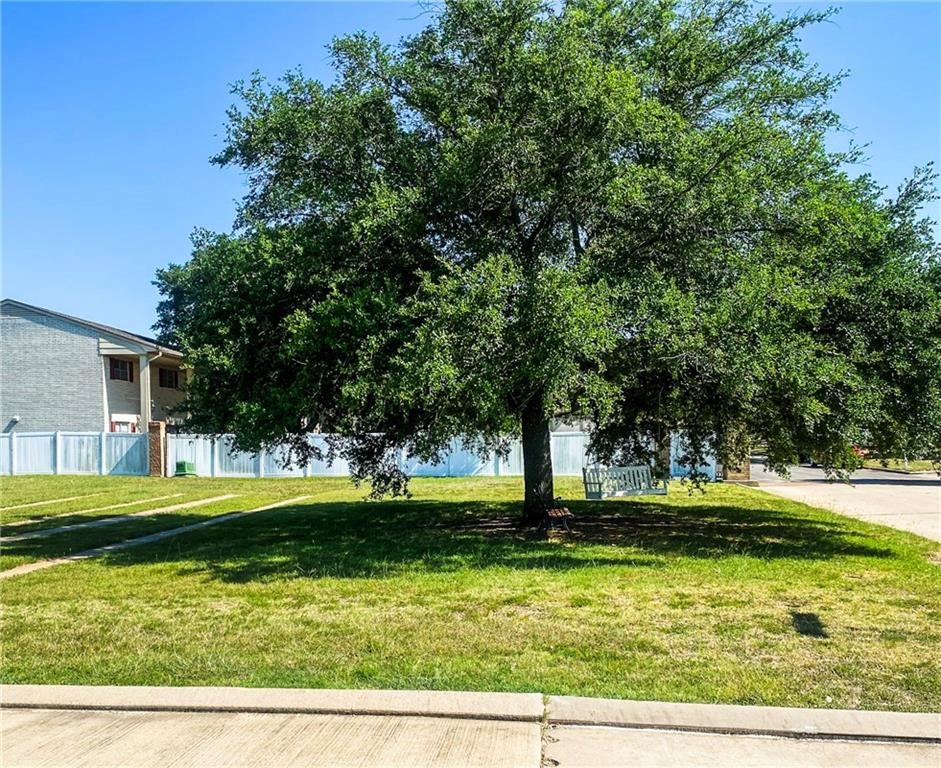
[185, 469]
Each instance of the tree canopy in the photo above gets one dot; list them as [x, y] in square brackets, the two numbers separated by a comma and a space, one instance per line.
[620, 211]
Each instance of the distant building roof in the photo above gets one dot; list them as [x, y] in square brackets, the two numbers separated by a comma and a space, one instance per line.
[145, 341]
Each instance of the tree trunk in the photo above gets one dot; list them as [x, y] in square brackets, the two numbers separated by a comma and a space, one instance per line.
[662, 462]
[537, 460]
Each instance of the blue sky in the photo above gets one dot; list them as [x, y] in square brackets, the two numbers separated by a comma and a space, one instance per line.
[110, 112]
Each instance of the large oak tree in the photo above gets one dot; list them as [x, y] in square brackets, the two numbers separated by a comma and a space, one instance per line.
[621, 211]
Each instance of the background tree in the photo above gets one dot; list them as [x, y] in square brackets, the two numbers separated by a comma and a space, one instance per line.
[621, 211]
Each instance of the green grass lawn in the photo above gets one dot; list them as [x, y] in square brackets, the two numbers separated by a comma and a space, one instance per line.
[733, 596]
[914, 465]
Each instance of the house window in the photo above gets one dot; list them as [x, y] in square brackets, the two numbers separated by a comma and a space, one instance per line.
[122, 370]
[169, 378]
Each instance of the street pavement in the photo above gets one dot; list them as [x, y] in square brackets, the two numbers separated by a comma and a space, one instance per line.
[908, 502]
[70, 726]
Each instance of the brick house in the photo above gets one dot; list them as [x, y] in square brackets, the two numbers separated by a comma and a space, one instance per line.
[59, 372]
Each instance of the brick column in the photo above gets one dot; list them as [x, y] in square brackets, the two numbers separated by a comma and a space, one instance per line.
[157, 441]
[737, 473]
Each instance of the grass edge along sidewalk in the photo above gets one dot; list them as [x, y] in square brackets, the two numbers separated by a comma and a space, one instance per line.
[148, 539]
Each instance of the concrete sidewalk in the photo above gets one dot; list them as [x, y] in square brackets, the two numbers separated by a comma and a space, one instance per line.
[104, 726]
[907, 502]
[605, 747]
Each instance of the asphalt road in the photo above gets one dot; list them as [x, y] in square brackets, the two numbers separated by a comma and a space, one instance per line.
[908, 502]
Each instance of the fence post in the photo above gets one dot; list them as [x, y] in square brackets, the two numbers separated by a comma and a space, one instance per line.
[56, 452]
[260, 464]
[212, 457]
[102, 452]
[13, 453]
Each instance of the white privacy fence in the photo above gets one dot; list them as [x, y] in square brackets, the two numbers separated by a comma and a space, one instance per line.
[678, 447]
[215, 458]
[73, 453]
[120, 453]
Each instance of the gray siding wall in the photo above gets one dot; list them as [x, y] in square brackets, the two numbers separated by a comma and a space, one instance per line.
[50, 373]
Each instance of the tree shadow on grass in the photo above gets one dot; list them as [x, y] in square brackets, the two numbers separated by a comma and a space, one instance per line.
[808, 624]
[356, 540]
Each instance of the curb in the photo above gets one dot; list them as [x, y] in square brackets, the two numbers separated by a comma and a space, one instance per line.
[852, 725]
[848, 724]
[910, 472]
[520, 707]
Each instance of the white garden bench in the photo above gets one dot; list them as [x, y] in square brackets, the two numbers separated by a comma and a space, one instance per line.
[605, 482]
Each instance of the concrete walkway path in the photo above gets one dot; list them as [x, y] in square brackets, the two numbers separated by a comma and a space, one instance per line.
[44, 532]
[51, 501]
[194, 727]
[907, 502]
[148, 539]
[77, 512]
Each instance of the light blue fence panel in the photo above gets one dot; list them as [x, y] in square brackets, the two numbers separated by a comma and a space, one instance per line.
[194, 448]
[126, 454]
[464, 462]
[339, 468]
[569, 455]
[273, 465]
[415, 467]
[35, 453]
[231, 463]
[80, 452]
[512, 464]
[5, 468]
[678, 447]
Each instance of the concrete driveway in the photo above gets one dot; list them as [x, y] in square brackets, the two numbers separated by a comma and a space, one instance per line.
[908, 502]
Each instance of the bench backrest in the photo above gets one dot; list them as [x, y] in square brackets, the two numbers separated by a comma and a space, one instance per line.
[605, 480]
